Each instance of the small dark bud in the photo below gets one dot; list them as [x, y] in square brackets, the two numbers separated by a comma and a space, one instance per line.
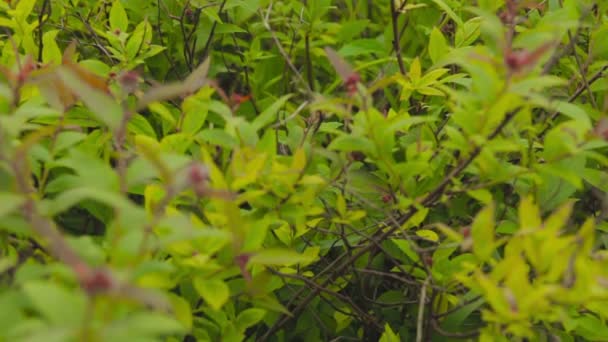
[129, 81]
[428, 260]
[197, 177]
[356, 156]
[351, 83]
[93, 281]
[198, 173]
[601, 129]
[241, 261]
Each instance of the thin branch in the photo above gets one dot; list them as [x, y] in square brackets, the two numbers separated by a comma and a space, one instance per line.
[397, 37]
[428, 201]
[582, 70]
[340, 296]
[162, 43]
[309, 70]
[265, 19]
[421, 306]
[599, 74]
[203, 54]
[46, 9]
[559, 53]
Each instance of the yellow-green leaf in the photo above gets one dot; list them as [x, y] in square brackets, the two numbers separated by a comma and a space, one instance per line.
[214, 292]
[118, 17]
[428, 235]
[529, 214]
[482, 232]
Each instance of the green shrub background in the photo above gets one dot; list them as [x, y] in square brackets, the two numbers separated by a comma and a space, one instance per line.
[257, 170]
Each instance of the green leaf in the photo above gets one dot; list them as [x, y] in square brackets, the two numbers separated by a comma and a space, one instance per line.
[224, 28]
[406, 248]
[177, 143]
[389, 335]
[195, 114]
[484, 196]
[456, 319]
[194, 81]
[72, 197]
[140, 125]
[281, 257]
[271, 303]
[573, 111]
[269, 114]
[68, 139]
[249, 318]
[163, 112]
[591, 328]
[428, 235]
[362, 47]
[182, 310]
[438, 46]
[219, 137]
[441, 4]
[51, 52]
[118, 17]
[215, 292]
[103, 106]
[57, 304]
[88, 249]
[135, 43]
[482, 232]
[9, 202]
[529, 214]
[351, 29]
[598, 46]
[92, 172]
[141, 325]
[350, 142]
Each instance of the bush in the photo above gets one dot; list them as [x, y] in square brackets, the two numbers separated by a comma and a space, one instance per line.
[301, 171]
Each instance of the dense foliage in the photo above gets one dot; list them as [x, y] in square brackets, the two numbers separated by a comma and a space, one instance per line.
[262, 170]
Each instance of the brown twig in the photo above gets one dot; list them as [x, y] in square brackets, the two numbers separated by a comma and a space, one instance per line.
[45, 9]
[599, 74]
[203, 54]
[397, 37]
[265, 20]
[309, 70]
[340, 296]
[428, 200]
[421, 306]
